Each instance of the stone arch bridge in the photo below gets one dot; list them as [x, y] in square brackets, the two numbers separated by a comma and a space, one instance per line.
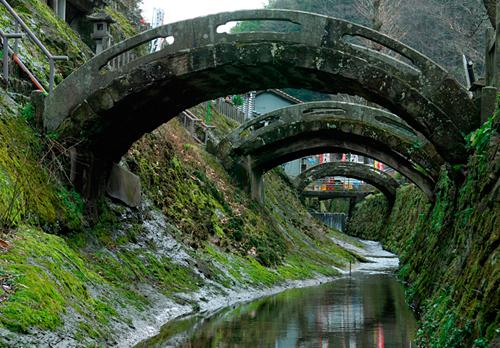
[320, 127]
[124, 92]
[375, 177]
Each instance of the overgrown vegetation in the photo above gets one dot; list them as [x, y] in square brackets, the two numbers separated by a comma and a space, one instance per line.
[369, 218]
[449, 248]
[97, 273]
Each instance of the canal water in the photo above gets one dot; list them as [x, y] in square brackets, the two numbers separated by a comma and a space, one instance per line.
[364, 310]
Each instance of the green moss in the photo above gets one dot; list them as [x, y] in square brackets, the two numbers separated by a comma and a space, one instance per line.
[26, 192]
[54, 33]
[49, 277]
[369, 218]
[123, 28]
[448, 251]
[187, 194]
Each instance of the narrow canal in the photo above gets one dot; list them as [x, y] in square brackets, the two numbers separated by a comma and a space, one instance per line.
[366, 309]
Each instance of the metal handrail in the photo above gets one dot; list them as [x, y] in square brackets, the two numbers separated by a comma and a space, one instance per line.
[9, 51]
[52, 58]
[188, 115]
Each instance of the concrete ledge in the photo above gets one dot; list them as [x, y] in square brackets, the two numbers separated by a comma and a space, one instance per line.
[124, 186]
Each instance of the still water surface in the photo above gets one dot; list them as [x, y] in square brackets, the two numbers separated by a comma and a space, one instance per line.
[365, 310]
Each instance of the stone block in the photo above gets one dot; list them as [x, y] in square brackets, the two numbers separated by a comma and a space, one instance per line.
[124, 186]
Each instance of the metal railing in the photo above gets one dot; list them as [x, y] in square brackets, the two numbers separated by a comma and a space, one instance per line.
[324, 185]
[18, 22]
[193, 124]
[332, 220]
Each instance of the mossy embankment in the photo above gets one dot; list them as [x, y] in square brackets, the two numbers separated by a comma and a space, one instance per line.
[448, 248]
[66, 281]
[196, 236]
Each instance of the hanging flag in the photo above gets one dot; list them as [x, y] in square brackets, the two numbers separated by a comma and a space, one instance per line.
[208, 115]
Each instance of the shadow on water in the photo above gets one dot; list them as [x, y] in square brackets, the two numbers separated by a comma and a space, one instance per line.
[362, 311]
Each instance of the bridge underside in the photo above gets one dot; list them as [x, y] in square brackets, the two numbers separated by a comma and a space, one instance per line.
[111, 119]
[251, 176]
[106, 110]
[117, 107]
[255, 147]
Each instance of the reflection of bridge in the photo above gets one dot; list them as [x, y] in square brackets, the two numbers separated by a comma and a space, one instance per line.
[105, 110]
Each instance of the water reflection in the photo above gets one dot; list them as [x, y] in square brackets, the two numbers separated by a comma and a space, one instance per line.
[362, 311]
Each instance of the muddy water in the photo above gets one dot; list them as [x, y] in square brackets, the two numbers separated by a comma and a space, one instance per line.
[364, 310]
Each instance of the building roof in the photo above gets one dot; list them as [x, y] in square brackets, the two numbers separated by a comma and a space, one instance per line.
[281, 94]
[100, 16]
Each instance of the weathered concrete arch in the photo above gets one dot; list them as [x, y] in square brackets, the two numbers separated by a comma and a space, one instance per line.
[312, 128]
[106, 111]
[375, 177]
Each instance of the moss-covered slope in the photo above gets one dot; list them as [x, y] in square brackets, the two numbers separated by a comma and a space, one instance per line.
[449, 249]
[195, 236]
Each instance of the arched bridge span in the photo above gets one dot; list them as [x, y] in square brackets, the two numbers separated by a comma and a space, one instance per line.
[312, 128]
[375, 177]
[105, 107]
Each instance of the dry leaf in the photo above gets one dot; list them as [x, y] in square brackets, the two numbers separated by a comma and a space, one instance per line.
[4, 244]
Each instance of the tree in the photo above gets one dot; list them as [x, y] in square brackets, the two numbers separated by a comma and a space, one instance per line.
[382, 15]
[441, 29]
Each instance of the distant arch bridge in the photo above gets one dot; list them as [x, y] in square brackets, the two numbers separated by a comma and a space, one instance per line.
[321, 127]
[373, 176]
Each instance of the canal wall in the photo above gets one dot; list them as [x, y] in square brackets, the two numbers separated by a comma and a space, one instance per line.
[448, 248]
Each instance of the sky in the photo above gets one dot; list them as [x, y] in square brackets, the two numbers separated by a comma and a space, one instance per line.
[176, 10]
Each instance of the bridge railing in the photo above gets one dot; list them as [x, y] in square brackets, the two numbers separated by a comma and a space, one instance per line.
[182, 35]
[314, 31]
[324, 109]
[323, 185]
[19, 25]
[120, 61]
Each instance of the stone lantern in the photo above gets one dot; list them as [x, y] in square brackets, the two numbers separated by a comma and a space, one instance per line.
[101, 30]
